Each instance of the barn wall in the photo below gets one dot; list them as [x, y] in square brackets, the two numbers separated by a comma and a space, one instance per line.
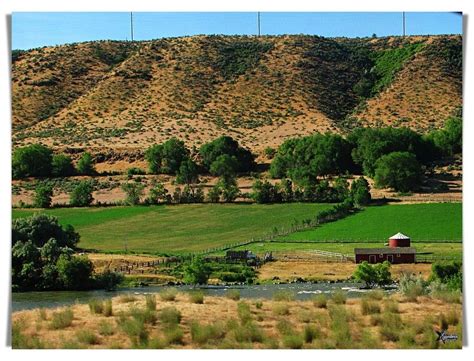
[403, 258]
[393, 243]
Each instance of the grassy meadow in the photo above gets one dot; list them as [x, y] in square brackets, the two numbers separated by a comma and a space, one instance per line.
[422, 222]
[174, 229]
[180, 320]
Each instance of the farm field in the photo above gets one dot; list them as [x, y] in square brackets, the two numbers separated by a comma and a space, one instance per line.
[422, 222]
[176, 229]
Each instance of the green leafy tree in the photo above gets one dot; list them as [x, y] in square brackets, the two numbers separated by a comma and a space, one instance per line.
[43, 195]
[62, 166]
[449, 139]
[373, 275]
[225, 166]
[81, 195]
[187, 173]
[197, 272]
[360, 192]
[398, 170]
[158, 194]
[85, 166]
[167, 157]
[32, 161]
[225, 145]
[75, 273]
[133, 192]
[153, 156]
[230, 191]
[265, 192]
[214, 194]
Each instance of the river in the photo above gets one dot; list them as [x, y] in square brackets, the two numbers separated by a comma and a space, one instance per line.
[302, 291]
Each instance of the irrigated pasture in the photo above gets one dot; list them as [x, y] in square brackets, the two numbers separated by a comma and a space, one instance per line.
[422, 222]
[176, 229]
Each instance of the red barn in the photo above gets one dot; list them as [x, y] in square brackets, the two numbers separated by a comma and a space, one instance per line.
[391, 254]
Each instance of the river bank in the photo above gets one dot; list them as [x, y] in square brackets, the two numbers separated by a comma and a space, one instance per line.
[183, 320]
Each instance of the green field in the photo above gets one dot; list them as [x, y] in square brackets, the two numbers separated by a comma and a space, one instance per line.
[422, 222]
[441, 249]
[176, 229]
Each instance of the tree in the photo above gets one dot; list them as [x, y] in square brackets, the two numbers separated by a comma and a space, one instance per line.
[373, 275]
[158, 194]
[225, 145]
[62, 166]
[265, 192]
[108, 280]
[32, 161]
[187, 173]
[214, 194]
[173, 153]
[133, 191]
[81, 195]
[229, 189]
[225, 166]
[153, 156]
[75, 272]
[85, 166]
[360, 192]
[197, 272]
[398, 170]
[449, 139]
[40, 228]
[43, 195]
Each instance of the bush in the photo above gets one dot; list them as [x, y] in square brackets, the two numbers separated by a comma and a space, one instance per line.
[106, 328]
[61, 319]
[143, 315]
[96, 306]
[126, 298]
[197, 271]
[87, 337]
[196, 297]
[233, 294]
[75, 273]
[249, 332]
[81, 196]
[150, 301]
[135, 171]
[281, 309]
[369, 307]
[398, 170]
[226, 146]
[187, 173]
[135, 329]
[108, 311]
[320, 301]
[372, 275]
[259, 305]
[391, 327]
[32, 161]
[169, 294]
[85, 166]
[43, 195]
[310, 333]
[174, 336]
[448, 273]
[360, 192]
[293, 341]
[339, 297]
[133, 192]
[61, 166]
[412, 286]
[170, 316]
[243, 310]
[167, 157]
[203, 334]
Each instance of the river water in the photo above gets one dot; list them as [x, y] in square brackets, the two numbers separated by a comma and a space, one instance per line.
[31, 300]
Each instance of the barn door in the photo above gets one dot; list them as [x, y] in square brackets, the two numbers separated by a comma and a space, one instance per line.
[372, 259]
[390, 258]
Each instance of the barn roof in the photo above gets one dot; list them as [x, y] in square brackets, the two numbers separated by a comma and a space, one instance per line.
[399, 236]
[394, 250]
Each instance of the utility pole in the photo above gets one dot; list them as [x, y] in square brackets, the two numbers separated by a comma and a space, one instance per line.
[404, 24]
[258, 23]
[131, 25]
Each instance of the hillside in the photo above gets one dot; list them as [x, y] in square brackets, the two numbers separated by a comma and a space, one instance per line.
[116, 98]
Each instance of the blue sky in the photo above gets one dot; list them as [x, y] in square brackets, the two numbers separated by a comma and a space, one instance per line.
[31, 30]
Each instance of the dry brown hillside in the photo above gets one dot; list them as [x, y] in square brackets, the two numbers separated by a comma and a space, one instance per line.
[120, 97]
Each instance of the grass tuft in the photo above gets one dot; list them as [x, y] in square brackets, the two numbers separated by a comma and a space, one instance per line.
[320, 301]
[127, 298]
[150, 301]
[170, 316]
[283, 295]
[281, 309]
[196, 297]
[233, 294]
[369, 307]
[96, 306]
[339, 297]
[87, 337]
[169, 294]
[62, 319]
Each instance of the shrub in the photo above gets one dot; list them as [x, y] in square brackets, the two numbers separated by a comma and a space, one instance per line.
[108, 311]
[196, 297]
[62, 319]
[320, 301]
[372, 275]
[391, 306]
[282, 295]
[243, 310]
[133, 192]
[43, 195]
[61, 166]
[22, 341]
[412, 286]
[174, 336]
[150, 301]
[96, 306]
[170, 316]
[259, 305]
[143, 315]
[281, 309]
[135, 330]
[169, 294]
[233, 294]
[376, 295]
[32, 161]
[203, 334]
[369, 307]
[85, 166]
[106, 328]
[249, 332]
[81, 196]
[75, 273]
[167, 157]
[42, 314]
[197, 271]
[293, 341]
[87, 337]
[310, 333]
[391, 327]
[340, 326]
[339, 297]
